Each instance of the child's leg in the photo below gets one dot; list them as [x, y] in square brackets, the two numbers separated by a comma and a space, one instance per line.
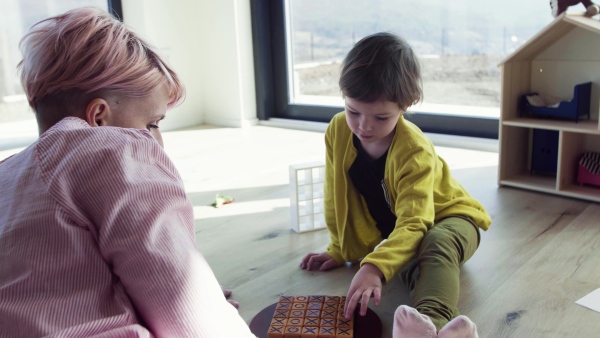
[433, 277]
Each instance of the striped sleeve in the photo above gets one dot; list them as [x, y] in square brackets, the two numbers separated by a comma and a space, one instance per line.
[133, 198]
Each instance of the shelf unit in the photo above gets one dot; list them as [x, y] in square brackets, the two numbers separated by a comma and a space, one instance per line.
[565, 53]
[307, 196]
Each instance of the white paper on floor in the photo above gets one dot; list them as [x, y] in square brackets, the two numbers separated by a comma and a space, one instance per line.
[591, 301]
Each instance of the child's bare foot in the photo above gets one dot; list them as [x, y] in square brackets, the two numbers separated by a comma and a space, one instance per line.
[409, 323]
[459, 327]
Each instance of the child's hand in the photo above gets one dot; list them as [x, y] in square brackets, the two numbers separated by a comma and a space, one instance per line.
[365, 284]
[326, 261]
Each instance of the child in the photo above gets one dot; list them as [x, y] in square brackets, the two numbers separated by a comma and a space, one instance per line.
[390, 201]
[96, 231]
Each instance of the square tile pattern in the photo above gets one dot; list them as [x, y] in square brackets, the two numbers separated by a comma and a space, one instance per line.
[307, 196]
[310, 317]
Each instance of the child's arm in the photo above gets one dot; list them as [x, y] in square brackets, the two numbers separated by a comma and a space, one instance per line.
[365, 284]
[333, 257]
[414, 208]
[333, 249]
[415, 213]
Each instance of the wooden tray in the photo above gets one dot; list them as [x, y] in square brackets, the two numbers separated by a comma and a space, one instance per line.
[367, 326]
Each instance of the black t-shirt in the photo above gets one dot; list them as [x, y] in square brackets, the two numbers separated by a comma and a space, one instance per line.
[367, 177]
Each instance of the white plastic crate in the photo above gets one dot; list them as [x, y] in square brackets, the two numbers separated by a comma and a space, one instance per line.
[306, 196]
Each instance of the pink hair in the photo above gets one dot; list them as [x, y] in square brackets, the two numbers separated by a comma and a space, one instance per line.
[87, 50]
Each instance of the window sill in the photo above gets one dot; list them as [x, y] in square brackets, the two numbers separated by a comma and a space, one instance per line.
[442, 140]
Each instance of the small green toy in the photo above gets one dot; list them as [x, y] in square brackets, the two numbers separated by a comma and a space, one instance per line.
[221, 200]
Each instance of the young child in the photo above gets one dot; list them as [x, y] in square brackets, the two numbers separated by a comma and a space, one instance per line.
[390, 201]
[96, 231]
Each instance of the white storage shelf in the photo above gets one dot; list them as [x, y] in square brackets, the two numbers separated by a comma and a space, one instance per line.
[562, 55]
[306, 196]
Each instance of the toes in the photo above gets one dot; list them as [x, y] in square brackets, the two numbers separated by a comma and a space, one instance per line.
[426, 318]
[406, 312]
[409, 323]
[460, 326]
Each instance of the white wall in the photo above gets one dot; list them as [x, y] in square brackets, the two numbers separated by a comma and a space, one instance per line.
[227, 63]
[574, 59]
[209, 44]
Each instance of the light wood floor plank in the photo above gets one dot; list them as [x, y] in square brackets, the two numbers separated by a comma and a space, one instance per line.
[537, 259]
[538, 300]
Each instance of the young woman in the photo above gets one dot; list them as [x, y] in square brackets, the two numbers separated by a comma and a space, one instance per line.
[96, 231]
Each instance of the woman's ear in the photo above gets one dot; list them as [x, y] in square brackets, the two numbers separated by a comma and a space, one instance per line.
[97, 113]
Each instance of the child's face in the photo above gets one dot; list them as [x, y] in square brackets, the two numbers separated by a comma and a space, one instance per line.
[372, 122]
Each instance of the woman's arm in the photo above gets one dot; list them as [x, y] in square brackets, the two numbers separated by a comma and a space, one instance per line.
[144, 226]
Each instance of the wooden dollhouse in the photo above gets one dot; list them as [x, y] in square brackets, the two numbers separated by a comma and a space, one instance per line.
[542, 153]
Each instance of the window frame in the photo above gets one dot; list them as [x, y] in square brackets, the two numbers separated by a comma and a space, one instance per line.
[272, 82]
[115, 8]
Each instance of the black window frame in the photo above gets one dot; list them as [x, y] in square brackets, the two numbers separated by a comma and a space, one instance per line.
[115, 8]
[272, 92]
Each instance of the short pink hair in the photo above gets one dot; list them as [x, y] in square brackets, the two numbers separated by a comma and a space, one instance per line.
[85, 51]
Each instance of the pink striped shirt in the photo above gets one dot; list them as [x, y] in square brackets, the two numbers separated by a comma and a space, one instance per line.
[97, 239]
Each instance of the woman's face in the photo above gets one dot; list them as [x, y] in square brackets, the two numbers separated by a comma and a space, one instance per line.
[140, 113]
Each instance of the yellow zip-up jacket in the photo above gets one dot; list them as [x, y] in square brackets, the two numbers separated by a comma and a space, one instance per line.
[421, 192]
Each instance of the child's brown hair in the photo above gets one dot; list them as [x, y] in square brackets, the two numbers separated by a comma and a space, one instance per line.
[382, 66]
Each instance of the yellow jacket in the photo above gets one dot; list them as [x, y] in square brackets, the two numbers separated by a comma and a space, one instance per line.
[421, 192]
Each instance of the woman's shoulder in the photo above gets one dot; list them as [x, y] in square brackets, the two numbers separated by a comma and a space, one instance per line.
[72, 143]
[75, 134]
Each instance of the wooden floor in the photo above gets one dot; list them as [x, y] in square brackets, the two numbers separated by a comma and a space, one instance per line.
[540, 255]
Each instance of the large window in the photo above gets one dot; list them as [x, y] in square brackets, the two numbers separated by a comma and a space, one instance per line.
[300, 45]
[17, 122]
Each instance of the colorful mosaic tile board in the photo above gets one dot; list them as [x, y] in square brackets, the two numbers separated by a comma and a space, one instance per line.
[313, 317]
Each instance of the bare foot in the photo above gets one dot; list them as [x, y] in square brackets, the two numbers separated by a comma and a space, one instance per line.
[234, 303]
[409, 323]
[459, 327]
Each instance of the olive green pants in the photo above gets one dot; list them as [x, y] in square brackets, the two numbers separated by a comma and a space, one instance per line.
[432, 276]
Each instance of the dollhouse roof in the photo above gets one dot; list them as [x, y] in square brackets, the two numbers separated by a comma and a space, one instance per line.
[555, 30]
